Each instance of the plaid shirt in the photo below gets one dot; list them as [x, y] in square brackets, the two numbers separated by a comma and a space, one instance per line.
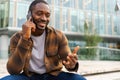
[56, 50]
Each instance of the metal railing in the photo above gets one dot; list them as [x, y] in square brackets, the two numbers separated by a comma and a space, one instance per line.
[99, 53]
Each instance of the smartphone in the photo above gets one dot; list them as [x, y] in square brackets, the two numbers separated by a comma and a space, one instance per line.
[29, 15]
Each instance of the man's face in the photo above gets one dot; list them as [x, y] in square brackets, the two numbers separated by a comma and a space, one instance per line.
[41, 15]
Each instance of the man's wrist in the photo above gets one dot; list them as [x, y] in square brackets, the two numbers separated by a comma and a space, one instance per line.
[72, 67]
[75, 68]
[25, 38]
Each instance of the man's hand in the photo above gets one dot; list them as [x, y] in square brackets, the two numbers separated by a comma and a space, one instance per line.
[27, 27]
[72, 59]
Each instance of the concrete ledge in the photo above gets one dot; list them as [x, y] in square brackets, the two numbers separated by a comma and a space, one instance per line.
[85, 67]
[98, 67]
[3, 70]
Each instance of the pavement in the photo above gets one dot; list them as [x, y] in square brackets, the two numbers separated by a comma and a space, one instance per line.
[91, 70]
[3, 70]
[108, 76]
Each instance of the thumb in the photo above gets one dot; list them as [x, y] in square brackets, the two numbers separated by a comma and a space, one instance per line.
[76, 49]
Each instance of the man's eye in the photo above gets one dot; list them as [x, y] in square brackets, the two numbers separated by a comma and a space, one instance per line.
[47, 15]
[39, 14]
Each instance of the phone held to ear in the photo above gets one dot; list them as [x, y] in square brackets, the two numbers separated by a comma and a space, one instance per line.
[29, 15]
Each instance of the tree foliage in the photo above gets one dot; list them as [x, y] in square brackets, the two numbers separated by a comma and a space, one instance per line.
[92, 39]
[90, 35]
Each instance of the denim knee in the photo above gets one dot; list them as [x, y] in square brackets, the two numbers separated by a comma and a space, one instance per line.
[15, 77]
[70, 76]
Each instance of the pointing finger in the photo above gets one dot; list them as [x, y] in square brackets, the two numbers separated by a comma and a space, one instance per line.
[76, 49]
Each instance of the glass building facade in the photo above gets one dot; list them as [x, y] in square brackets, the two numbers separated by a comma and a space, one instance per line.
[69, 16]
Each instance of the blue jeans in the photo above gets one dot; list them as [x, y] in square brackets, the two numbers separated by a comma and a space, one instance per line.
[61, 76]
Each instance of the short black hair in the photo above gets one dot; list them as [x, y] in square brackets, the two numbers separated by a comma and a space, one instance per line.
[35, 2]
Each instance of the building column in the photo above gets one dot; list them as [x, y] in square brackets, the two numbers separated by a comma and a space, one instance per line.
[4, 40]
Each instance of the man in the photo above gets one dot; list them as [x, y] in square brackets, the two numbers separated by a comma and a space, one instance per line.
[38, 52]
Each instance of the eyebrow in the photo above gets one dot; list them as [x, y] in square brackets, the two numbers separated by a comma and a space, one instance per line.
[44, 11]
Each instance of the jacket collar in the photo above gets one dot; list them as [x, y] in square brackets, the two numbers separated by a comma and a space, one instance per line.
[48, 29]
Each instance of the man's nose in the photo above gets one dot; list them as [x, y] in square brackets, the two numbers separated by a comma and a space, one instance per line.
[43, 17]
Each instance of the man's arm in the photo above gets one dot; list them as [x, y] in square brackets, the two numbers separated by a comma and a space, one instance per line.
[69, 58]
[18, 52]
[71, 62]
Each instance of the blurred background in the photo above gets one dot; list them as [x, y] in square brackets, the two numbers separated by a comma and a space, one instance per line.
[94, 25]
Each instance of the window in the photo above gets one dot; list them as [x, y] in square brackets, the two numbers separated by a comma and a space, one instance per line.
[74, 20]
[110, 5]
[80, 4]
[101, 24]
[81, 20]
[22, 10]
[57, 18]
[88, 4]
[102, 5]
[95, 5]
[49, 1]
[109, 26]
[4, 13]
[57, 2]
[65, 13]
[68, 3]
[11, 13]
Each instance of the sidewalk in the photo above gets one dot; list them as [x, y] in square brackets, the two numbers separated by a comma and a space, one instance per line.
[95, 67]
[3, 70]
[86, 67]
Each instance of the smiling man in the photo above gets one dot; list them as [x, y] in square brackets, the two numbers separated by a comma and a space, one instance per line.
[38, 52]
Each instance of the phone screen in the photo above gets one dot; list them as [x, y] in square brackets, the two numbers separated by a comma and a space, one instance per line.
[29, 15]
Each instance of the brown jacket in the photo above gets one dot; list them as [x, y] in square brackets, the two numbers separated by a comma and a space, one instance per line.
[56, 50]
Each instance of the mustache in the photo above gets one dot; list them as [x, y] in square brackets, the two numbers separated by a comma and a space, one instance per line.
[40, 20]
[43, 21]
